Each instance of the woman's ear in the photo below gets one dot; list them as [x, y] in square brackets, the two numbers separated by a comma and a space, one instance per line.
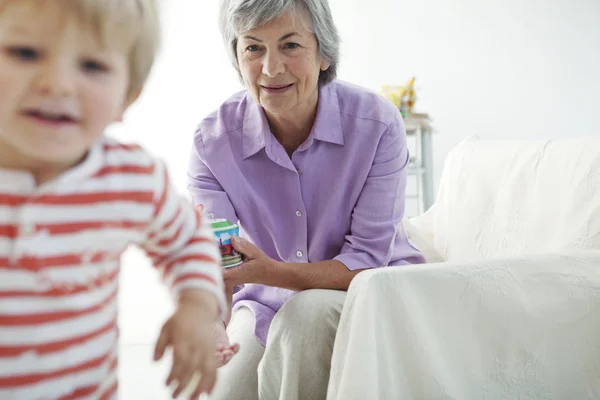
[325, 65]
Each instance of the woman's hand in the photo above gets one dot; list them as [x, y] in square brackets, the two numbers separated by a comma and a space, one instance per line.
[256, 268]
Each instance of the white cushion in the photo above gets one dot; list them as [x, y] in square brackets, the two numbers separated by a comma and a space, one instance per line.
[508, 197]
[419, 231]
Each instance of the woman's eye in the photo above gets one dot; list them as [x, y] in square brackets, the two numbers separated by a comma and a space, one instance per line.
[292, 45]
[94, 66]
[24, 53]
[252, 48]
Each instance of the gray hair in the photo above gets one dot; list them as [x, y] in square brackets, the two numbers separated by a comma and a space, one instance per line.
[238, 16]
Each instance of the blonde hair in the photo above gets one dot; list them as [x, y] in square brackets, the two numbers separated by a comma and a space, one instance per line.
[135, 22]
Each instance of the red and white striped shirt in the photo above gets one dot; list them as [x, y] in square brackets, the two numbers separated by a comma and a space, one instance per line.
[60, 248]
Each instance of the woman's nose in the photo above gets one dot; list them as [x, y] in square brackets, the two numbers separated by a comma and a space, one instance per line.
[273, 65]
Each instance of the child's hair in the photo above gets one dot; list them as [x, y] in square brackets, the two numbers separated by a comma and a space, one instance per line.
[133, 21]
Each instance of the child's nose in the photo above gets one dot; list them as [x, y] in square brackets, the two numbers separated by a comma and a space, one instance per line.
[56, 79]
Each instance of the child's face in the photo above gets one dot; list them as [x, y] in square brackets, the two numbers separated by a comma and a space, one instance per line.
[59, 86]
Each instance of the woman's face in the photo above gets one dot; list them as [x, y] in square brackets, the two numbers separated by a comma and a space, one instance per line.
[280, 64]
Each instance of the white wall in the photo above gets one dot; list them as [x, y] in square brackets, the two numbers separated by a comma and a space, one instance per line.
[497, 68]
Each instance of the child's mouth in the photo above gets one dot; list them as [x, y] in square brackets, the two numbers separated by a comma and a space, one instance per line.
[49, 118]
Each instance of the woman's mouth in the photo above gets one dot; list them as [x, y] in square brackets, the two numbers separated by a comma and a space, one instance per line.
[276, 88]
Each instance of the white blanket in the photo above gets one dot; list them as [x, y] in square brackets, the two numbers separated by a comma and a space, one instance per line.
[518, 328]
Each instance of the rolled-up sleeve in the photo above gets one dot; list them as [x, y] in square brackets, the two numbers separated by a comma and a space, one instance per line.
[204, 188]
[380, 206]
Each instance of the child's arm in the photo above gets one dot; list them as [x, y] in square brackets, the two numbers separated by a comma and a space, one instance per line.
[181, 245]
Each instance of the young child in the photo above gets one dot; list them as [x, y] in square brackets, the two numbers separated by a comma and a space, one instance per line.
[72, 200]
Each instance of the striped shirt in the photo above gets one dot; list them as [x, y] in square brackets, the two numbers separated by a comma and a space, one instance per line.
[60, 248]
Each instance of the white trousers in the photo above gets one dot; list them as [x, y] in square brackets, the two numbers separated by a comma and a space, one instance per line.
[296, 361]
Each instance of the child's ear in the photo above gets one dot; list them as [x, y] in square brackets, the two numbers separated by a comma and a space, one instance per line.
[131, 98]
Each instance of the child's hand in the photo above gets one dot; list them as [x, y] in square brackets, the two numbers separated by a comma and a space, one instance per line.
[225, 350]
[189, 332]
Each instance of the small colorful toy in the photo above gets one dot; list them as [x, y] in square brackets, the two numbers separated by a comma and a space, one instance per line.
[224, 230]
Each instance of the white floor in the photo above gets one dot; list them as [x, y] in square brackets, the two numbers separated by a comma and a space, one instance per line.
[139, 377]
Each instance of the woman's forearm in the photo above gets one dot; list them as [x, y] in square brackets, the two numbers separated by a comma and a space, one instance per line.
[329, 274]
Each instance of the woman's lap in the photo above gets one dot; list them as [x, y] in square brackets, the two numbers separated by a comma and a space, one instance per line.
[296, 362]
[297, 359]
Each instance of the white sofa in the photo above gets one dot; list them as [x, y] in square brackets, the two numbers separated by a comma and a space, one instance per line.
[508, 305]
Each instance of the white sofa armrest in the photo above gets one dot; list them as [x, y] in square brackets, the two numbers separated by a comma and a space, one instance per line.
[494, 329]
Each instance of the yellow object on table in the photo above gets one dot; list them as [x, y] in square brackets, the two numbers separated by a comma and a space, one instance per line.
[403, 97]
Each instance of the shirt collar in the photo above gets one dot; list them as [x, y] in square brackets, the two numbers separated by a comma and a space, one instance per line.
[327, 126]
[88, 166]
[255, 128]
[24, 182]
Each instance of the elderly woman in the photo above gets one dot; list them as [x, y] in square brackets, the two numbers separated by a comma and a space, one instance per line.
[314, 170]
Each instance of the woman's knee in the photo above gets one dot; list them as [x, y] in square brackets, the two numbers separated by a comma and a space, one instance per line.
[314, 310]
[299, 346]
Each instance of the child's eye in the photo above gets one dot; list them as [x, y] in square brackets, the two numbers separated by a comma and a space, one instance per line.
[94, 66]
[24, 53]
